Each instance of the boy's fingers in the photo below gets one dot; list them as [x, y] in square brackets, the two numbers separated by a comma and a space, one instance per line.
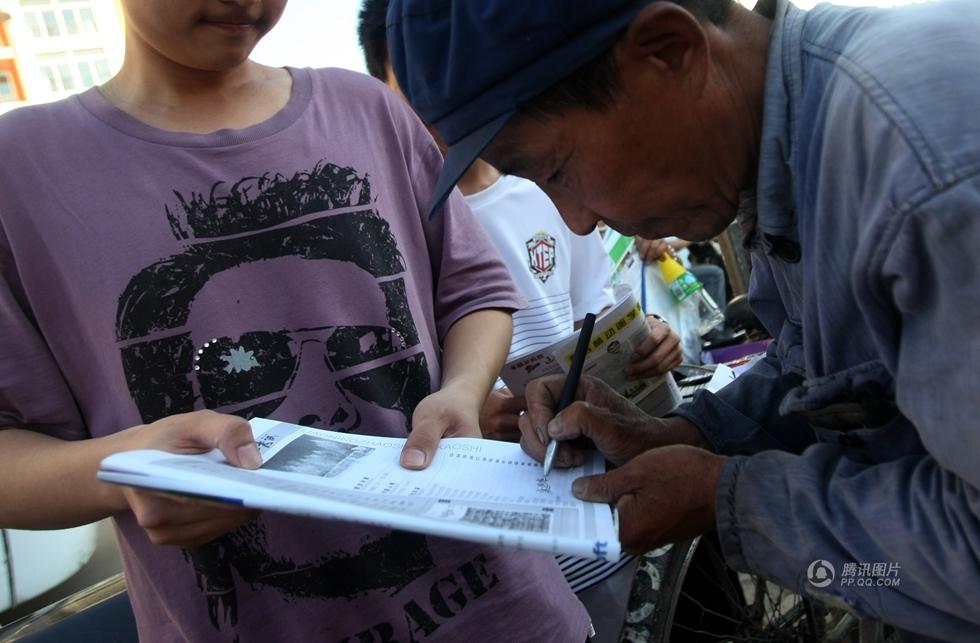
[233, 436]
[420, 447]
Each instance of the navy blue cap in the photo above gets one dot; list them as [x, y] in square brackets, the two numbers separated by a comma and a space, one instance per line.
[467, 65]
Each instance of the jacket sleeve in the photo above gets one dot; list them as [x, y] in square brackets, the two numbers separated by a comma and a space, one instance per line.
[779, 512]
[918, 512]
[744, 418]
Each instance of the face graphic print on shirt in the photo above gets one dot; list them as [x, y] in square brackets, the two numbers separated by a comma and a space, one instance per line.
[288, 301]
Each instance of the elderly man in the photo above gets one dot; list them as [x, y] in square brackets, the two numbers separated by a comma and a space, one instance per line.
[845, 141]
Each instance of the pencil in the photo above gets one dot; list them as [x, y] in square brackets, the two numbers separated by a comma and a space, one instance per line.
[571, 382]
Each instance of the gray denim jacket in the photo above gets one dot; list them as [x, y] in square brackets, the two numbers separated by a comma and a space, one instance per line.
[857, 439]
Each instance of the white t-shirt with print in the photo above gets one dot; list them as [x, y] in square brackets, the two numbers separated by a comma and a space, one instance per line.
[562, 275]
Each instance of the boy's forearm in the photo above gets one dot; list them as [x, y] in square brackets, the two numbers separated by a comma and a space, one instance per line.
[474, 351]
[50, 483]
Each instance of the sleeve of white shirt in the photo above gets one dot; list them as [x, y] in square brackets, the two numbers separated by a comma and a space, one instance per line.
[591, 270]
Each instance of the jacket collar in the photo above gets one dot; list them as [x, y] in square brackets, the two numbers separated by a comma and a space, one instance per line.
[771, 226]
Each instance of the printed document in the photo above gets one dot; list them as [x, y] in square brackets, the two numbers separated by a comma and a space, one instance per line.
[617, 333]
[478, 490]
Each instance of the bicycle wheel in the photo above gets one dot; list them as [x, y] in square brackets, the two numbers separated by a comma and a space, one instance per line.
[699, 599]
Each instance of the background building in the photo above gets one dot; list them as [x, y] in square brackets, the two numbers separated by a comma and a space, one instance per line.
[50, 49]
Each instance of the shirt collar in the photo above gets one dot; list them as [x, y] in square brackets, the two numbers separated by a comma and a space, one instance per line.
[774, 224]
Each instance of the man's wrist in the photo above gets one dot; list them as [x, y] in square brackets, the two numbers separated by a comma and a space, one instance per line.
[709, 479]
[680, 430]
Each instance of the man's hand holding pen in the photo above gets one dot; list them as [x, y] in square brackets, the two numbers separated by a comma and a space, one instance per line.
[665, 481]
[610, 423]
[571, 384]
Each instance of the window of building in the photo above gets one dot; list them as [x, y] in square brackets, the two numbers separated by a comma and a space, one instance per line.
[33, 24]
[44, 20]
[7, 90]
[52, 81]
[51, 23]
[66, 77]
[71, 23]
[85, 72]
[68, 71]
[88, 19]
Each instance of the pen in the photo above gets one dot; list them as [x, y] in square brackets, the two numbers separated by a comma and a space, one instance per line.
[571, 382]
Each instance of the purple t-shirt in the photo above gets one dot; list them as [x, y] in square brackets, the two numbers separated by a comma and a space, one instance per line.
[285, 270]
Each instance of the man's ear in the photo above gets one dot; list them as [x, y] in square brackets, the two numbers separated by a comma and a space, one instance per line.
[666, 39]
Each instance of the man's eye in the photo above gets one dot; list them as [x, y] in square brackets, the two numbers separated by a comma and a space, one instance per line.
[558, 175]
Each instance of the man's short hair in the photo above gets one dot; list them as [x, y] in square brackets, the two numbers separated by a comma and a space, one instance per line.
[372, 36]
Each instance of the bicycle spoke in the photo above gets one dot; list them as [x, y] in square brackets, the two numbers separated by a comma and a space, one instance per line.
[722, 637]
[708, 610]
[715, 603]
[719, 577]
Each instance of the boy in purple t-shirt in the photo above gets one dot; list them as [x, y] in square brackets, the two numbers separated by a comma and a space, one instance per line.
[203, 232]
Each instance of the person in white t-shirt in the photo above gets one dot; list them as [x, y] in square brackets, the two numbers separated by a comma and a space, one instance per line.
[562, 275]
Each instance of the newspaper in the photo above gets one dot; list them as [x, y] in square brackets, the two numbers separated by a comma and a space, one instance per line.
[617, 332]
[478, 490]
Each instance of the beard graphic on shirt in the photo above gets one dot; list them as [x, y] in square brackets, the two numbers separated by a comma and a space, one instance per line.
[336, 346]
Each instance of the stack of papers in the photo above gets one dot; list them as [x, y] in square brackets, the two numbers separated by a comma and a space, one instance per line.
[477, 490]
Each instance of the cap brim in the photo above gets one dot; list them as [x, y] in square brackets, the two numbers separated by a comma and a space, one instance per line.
[460, 156]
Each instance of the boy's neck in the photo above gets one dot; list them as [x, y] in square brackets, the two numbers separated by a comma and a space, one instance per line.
[171, 97]
[479, 177]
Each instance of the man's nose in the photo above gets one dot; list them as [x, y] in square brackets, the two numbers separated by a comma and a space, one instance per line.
[580, 219]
